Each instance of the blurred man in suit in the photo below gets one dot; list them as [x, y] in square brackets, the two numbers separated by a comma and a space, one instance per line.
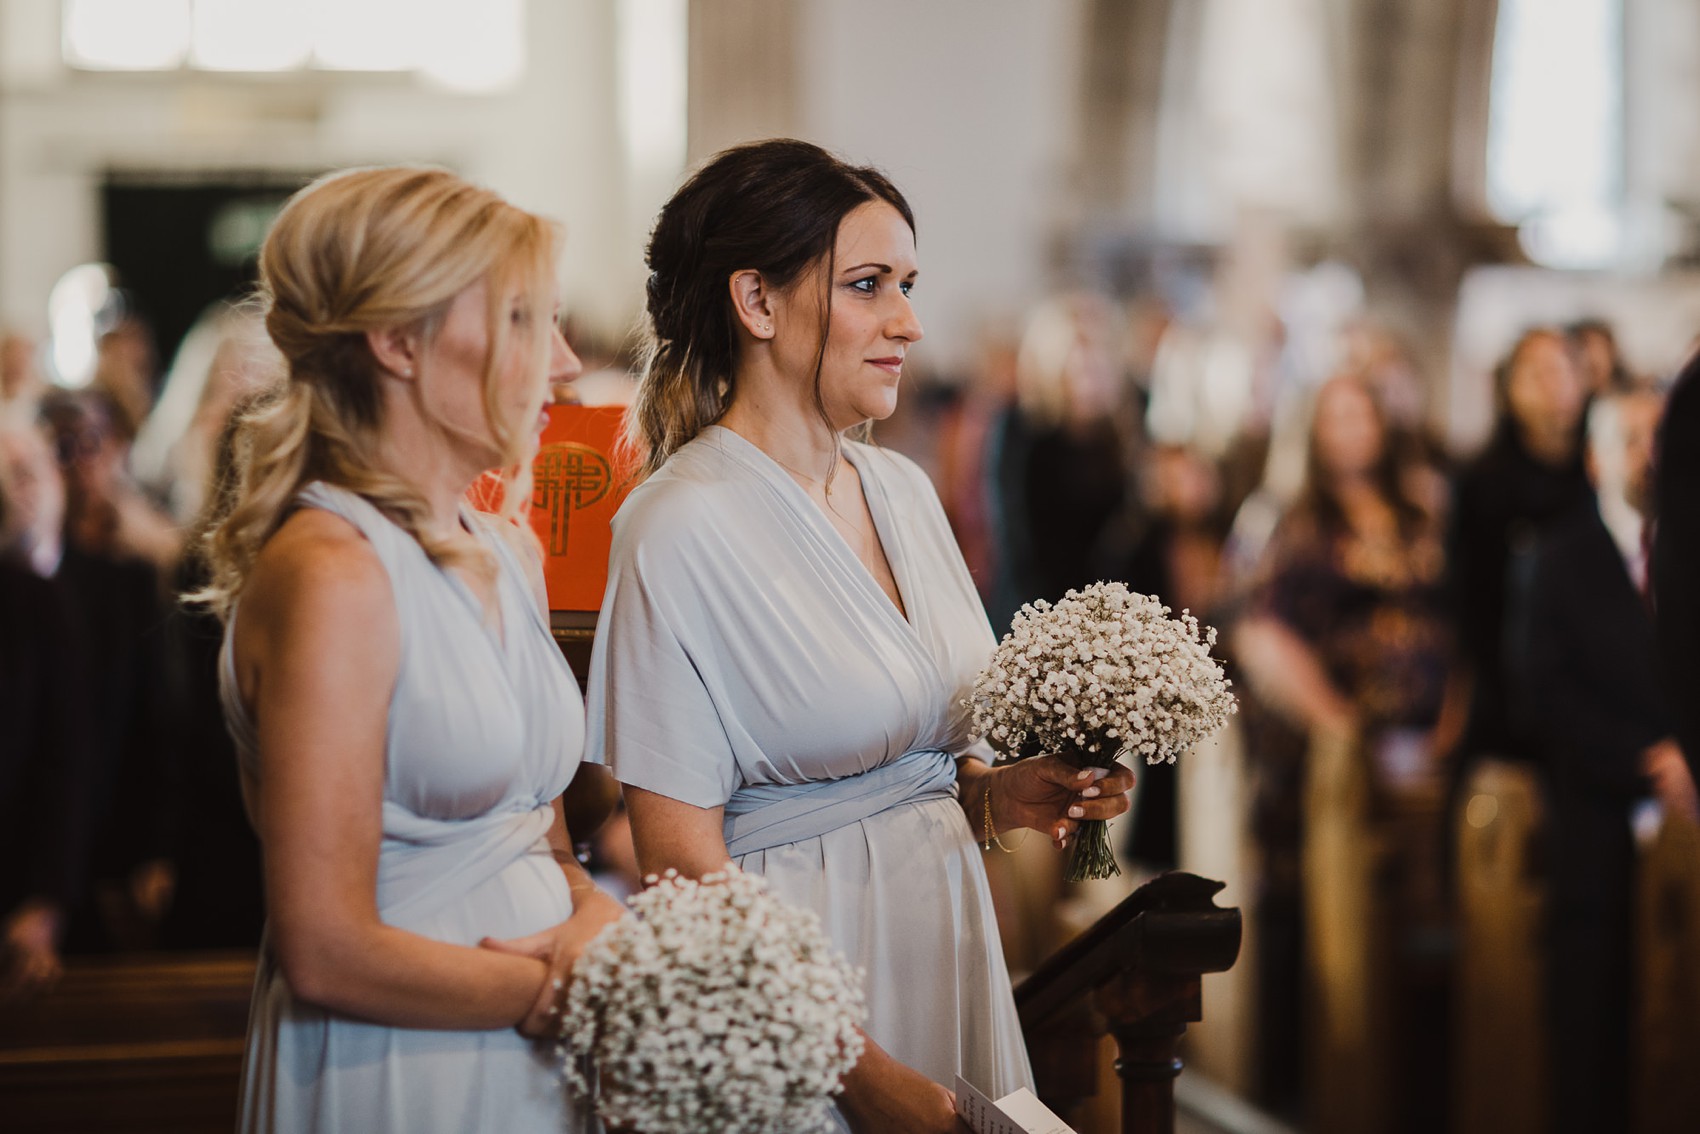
[1676, 557]
[1588, 692]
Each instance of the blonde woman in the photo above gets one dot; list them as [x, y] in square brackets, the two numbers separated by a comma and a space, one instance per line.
[405, 723]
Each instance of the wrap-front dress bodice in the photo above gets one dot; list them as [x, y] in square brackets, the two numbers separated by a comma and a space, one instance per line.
[484, 732]
[746, 659]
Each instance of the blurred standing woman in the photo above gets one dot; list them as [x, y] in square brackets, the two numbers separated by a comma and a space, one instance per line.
[789, 629]
[1060, 468]
[1529, 477]
[1347, 637]
[406, 724]
[1347, 632]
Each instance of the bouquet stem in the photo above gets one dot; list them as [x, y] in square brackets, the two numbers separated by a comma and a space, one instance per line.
[1092, 858]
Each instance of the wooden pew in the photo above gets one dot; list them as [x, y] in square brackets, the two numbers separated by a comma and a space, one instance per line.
[1499, 1067]
[1349, 1088]
[1136, 975]
[1378, 938]
[135, 1044]
[1666, 1082]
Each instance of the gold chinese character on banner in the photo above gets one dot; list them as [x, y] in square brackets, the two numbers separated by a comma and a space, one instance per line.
[567, 477]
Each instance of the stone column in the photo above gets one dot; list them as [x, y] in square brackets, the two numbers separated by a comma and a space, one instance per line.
[743, 73]
[1413, 84]
[1121, 92]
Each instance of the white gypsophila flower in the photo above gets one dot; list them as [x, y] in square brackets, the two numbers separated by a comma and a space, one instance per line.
[1103, 671]
[713, 1006]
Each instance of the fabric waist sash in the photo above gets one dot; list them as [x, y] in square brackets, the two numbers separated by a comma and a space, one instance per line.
[429, 864]
[761, 816]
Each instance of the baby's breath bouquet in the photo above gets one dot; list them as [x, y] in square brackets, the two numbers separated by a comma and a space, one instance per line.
[714, 1006]
[1103, 672]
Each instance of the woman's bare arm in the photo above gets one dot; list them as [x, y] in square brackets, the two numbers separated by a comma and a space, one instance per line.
[317, 651]
[1287, 674]
[669, 834]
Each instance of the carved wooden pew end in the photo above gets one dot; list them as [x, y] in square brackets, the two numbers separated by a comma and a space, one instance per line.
[1137, 976]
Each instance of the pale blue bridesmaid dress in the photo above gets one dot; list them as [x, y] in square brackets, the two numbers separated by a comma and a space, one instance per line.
[483, 734]
[746, 659]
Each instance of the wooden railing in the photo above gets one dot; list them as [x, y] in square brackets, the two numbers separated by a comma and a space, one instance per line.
[1135, 975]
[154, 1043]
[139, 1043]
[1499, 1056]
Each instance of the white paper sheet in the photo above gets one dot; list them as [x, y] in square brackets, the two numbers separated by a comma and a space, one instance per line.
[1019, 1112]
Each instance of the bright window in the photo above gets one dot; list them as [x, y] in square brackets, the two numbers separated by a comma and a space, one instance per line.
[1555, 127]
[470, 45]
[653, 51]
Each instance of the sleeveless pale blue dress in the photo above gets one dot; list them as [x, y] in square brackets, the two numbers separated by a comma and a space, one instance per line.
[483, 735]
[746, 659]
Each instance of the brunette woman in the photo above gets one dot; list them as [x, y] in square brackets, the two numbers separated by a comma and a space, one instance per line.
[789, 629]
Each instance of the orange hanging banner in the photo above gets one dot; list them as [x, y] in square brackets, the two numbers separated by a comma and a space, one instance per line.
[579, 479]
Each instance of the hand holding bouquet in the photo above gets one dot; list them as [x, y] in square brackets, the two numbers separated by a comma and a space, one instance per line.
[1103, 672]
[714, 1006]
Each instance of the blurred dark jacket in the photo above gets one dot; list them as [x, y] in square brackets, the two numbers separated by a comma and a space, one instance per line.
[1585, 676]
[46, 769]
[1676, 557]
[1506, 499]
[219, 901]
[1055, 492]
[118, 618]
[1588, 697]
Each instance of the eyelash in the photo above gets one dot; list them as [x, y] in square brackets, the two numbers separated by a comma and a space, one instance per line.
[907, 286]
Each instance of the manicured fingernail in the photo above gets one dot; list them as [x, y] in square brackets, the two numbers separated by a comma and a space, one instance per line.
[1084, 772]
[1062, 833]
[1076, 812]
[1089, 793]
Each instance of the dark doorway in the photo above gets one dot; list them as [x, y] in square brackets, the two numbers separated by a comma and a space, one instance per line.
[180, 243]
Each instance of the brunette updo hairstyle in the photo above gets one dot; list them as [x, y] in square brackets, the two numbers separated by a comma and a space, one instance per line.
[772, 207]
[359, 251]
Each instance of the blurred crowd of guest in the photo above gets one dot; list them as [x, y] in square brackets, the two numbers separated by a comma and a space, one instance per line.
[1430, 612]
[122, 825]
[119, 803]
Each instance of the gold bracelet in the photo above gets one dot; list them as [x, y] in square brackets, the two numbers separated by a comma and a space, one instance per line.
[991, 834]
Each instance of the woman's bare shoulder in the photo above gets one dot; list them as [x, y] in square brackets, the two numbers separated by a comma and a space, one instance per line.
[319, 568]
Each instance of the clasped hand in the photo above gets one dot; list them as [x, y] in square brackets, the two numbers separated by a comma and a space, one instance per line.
[558, 947]
[1048, 794]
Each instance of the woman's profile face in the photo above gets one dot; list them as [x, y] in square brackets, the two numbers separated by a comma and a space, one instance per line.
[455, 358]
[872, 323]
[1348, 434]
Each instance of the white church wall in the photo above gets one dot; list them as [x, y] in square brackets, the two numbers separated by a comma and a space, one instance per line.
[968, 105]
[550, 143]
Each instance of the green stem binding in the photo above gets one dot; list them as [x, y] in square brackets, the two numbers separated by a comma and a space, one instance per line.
[1092, 857]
